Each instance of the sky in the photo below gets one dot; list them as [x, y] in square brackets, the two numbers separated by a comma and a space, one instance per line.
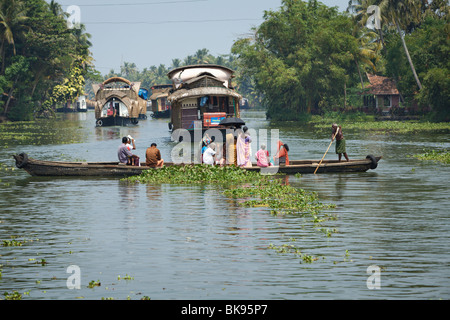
[153, 32]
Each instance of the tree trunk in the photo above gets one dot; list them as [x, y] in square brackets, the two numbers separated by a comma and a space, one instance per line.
[9, 96]
[408, 56]
[359, 72]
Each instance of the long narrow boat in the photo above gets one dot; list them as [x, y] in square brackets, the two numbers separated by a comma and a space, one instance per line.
[114, 169]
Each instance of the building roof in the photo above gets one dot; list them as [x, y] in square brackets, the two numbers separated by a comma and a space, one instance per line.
[380, 85]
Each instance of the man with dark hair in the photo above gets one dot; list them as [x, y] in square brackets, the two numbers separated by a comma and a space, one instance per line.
[153, 157]
[123, 153]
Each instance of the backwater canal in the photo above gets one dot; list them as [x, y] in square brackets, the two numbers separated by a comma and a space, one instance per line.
[192, 242]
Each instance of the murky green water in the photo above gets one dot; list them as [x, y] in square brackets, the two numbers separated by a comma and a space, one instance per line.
[191, 242]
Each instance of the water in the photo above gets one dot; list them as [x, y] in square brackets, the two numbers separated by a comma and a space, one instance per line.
[191, 242]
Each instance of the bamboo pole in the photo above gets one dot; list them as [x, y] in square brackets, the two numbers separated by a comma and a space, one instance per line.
[327, 150]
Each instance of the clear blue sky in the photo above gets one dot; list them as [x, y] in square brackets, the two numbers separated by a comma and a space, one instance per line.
[153, 32]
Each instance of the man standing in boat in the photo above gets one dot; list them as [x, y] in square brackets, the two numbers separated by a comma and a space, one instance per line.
[340, 141]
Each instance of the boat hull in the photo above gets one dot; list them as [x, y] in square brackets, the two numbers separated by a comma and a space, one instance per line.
[115, 121]
[113, 169]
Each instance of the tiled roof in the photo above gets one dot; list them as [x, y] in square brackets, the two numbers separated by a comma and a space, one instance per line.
[381, 85]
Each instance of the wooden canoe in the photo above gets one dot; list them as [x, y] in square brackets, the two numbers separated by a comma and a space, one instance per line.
[114, 169]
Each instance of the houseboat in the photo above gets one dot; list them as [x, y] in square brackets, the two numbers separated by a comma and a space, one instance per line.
[117, 102]
[78, 106]
[159, 104]
[143, 94]
[201, 94]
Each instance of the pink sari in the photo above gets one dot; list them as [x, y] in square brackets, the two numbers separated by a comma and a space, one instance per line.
[243, 148]
[262, 158]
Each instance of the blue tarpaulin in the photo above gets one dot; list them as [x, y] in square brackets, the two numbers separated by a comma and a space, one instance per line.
[143, 93]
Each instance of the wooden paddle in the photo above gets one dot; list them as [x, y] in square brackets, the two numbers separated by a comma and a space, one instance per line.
[327, 150]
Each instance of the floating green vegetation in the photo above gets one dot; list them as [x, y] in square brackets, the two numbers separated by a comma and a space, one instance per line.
[197, 174]
[94, 283]
[15, 295]
[442, 156]
[385, 127]
[39, 132]
[126, 277]
[292, 249]
[281, 198]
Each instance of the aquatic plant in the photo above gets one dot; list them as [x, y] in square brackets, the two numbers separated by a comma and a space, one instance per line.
[93, 284]
[291, 249]
[442, 156]
[386, 127]
[197, 174]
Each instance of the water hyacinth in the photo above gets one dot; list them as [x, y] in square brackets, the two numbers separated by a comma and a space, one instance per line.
[442, 156]
[198, 173]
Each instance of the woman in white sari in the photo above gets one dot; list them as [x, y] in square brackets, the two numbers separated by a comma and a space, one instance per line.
[244, 148]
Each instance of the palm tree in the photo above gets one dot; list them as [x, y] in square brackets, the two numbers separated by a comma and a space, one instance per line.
[128, 70]
[368, 50]
[201, 56]
[394, 13]
[12, 19]
[175, 63]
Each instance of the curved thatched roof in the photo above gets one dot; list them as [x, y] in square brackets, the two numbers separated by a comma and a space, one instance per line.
[203, 91]
[117, 79]
[213, 66]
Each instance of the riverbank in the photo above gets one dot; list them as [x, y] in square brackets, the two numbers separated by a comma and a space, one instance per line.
[361, 121]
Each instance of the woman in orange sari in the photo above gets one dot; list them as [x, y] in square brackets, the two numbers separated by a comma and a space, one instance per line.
[282, 157]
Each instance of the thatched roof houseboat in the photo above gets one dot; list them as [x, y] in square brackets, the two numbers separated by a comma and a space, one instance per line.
[117, 102]
[202, 93]
[160, 105]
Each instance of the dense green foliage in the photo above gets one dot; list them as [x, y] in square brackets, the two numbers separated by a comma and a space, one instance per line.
[301, 57]
[307, 57]
[43, 61]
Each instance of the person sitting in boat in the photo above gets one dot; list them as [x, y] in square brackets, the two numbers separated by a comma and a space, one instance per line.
[340, 141]
[209, 154]
[134, 159]
[282, 157]
[153, 157]
[123, 153]
[262, 157]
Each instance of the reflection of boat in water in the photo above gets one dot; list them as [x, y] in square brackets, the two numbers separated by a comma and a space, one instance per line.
[118, 102]
[202, 93]
[160, 105]
[114, 169]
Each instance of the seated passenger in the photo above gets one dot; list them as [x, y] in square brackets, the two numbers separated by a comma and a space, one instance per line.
[123, 153]
[153, 157]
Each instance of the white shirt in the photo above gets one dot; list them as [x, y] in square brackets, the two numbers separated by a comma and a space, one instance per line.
[208, 156]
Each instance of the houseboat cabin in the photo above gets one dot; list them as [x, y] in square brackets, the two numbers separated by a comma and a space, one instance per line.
[117, 102]
[202, 93]
[160, 105]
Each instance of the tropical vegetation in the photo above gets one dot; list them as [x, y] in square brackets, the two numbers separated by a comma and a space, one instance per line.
[307, 57]
[43, 62]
